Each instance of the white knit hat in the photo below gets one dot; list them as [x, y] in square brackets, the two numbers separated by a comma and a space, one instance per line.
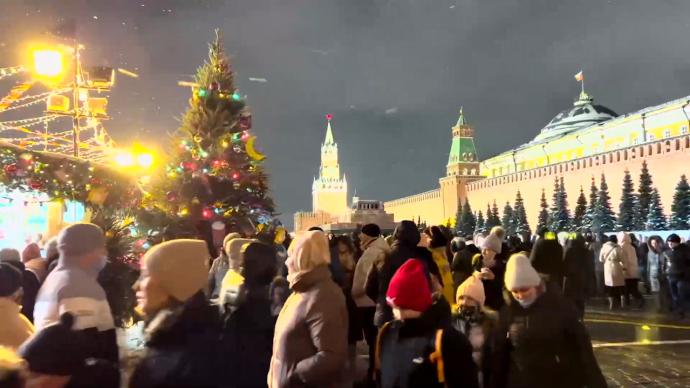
[520, 273]
[492, 242]
[473, 288]
[179, 266]
[78, 239]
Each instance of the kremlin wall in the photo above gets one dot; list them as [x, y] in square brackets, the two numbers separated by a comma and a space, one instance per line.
[580, 144]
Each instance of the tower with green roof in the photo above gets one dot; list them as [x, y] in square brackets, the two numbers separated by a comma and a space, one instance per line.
[462, 166]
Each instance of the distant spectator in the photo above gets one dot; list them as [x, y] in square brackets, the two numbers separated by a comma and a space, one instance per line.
[678, 273]
[15, 327]
[611, 256]
[219, 267]
[30, 283]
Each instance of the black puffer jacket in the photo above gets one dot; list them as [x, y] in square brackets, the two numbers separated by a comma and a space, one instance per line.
[579, 266]
[181, 348]
[678, 262]
[247, 342]
[547, 259]
[414, 339]
[462, 264]
[543, 345]
[405, 247]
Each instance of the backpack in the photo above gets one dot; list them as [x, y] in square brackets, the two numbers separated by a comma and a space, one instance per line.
[429, 348]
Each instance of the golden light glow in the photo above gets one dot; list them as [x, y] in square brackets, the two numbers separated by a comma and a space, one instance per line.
[124, 159]
[646, 327]
[48, 63]
[145, 160]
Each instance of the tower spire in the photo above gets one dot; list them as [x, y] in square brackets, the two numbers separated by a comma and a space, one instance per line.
[461, 119]
[329, 131]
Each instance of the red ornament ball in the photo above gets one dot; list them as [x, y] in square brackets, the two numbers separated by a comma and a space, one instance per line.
[11, 168]
[213, 86]
[207, 213]
[35, 185]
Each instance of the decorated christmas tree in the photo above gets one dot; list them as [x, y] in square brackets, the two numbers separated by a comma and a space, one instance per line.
[559, 219]
[603, 218]
[507, 219]
[655, 215]
[466, 222]
[680, 208]
[644, 194]
[481, 223]
[214, 175]
[580, 212]
[543, 220]
[520, 216]
[589, 214]
[626, 208]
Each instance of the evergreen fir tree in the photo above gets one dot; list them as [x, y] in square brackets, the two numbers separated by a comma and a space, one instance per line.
[543, 220]
[589, 214]
[520, 216]
[680, 208]
[507, 219]
[580, 213]
[656, 220]
[603, 219]
[644, 192]
[490, 220]
[467, 223]
[481, 223]
[214, 174]
[495, 218]
[627, 205]
[559, 218]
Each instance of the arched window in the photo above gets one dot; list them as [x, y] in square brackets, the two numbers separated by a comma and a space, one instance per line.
[677, 141]
[687, 142]
[658, 148]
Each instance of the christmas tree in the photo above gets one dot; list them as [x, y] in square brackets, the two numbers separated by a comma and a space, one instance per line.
[481, 224]
[214, 173]
[580, 213]
[627, 205]
[507, 219]
[656, 220]
[466, 223]
[559, 219]
[603, 218]
[589, 214]
[644, 193]
[680, 208]
[492, 218]
[520, 216]
[543, 220]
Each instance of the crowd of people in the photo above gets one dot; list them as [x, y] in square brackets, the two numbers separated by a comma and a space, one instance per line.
[434, 309]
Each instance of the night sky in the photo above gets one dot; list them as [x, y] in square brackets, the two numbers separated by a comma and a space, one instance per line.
[392, 72]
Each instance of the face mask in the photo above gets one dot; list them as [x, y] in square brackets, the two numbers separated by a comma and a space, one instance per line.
[527, 302]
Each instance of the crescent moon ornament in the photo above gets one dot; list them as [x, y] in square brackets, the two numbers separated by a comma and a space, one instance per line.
[251, 151]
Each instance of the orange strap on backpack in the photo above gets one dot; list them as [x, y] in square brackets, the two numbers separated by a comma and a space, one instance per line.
[377, 356]
[437, 358]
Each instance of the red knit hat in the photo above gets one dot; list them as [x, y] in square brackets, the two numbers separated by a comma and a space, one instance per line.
[409, 287]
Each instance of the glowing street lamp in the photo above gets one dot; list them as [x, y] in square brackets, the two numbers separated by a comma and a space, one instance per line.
[48, 63]
[137, 157]
[124, 159]
[145, 160]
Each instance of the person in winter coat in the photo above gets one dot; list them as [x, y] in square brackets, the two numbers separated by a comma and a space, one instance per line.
[611, 256]
[346, 255]
[578, 263]
[31, 257]
[415, 349]
[15, 327]
[182, 327]
[438, 244]
[219, 267]
[232, 279]
[73, 287]
[642, 256]
[477, 323]
[30, 283]
[335, 266]
[632, 272]
[678, 273]
[547, 259]
[52, 254]
[595, 247]
[405, 246]
[248, 326]
[310, 342]
[375, 250]
[540, 340]
[13, 369]
[58, 356]
[462, 262]
[490, 271]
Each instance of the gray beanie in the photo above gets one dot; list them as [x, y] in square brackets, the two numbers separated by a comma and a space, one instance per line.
[520, 273]
[79, 239]
[9, 254]
[492, 242]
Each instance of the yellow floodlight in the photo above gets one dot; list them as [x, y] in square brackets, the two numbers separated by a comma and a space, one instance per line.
[145, 160]
[124, 159]
[48, 63]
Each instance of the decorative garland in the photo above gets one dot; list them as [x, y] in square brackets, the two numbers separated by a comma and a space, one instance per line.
[63, 177]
